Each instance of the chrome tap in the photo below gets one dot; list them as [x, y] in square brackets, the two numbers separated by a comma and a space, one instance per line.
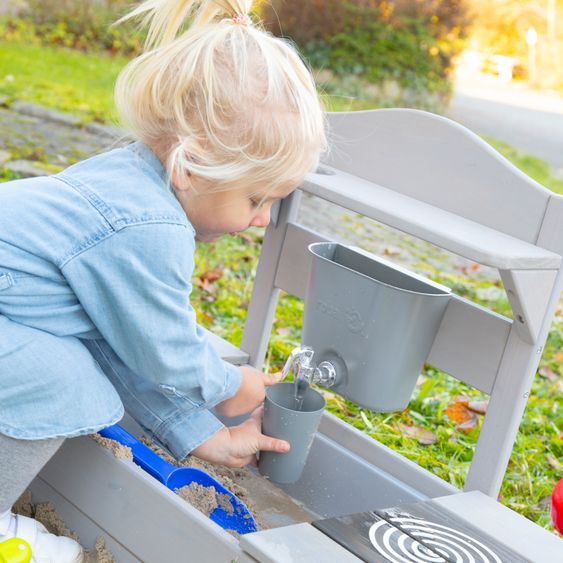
[300, 361]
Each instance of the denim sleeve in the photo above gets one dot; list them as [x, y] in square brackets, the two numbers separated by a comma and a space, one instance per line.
[135, 286]
[180, 435]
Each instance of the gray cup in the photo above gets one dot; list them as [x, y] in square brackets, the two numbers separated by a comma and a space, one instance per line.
[282, 421]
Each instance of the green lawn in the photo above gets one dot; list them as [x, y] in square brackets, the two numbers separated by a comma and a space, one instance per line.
[62, 79]
[82, 84]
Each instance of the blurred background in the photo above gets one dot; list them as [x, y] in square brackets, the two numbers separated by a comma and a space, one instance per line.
[455, 57]
[493, 65]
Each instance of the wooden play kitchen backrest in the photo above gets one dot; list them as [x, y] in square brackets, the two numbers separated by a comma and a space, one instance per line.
[432, 178]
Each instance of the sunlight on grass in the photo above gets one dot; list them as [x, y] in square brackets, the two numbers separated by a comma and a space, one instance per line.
[534, 167]
[62, 79]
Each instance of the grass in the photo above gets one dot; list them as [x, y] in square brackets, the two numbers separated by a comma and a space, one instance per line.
[62, 79]
[533, 468]
[82, 84]
[534, 167]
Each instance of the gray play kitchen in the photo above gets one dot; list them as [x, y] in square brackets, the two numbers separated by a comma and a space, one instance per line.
[369, 327]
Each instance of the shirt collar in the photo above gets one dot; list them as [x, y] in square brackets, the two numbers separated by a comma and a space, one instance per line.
[150, 158]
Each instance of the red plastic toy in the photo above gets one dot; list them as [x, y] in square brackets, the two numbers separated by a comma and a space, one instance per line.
[557, 506]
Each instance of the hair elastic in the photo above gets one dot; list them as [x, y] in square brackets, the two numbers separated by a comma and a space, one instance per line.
[242, 19]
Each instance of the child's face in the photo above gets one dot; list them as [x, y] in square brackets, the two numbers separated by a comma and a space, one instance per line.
[213, 213]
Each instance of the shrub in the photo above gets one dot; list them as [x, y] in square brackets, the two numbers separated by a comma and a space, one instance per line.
[411, 42]
[80, 24]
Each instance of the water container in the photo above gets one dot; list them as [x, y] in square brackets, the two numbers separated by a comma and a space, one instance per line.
[374, 320]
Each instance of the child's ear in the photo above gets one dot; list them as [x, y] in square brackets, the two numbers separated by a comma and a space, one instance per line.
[181, 181]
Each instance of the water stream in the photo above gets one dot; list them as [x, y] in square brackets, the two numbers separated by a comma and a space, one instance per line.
[301, 385]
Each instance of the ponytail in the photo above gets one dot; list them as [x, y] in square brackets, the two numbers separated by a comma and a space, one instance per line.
[164, 18]
[219, 96]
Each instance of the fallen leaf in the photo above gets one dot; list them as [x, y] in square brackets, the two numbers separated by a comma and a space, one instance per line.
[421, 435]
[460, 414]
[212, 275]
[480, 407]
[467, 426]
[390, 251]
[204, 285]
[205, 281]
[548, 373]
[469, 269]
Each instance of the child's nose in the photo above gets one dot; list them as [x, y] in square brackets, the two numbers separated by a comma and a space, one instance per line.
[262, 219]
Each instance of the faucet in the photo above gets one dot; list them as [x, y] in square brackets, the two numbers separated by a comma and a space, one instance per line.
[300, 361]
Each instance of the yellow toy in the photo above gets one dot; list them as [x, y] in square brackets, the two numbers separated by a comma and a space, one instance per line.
[15, 550]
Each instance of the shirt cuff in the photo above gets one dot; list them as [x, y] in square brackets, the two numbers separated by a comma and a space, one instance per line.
[233, 379]
[186, 431]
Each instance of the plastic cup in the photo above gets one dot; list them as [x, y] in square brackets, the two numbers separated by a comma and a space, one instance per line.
[298, 427]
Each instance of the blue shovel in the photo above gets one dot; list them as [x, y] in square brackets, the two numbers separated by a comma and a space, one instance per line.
[239, 519]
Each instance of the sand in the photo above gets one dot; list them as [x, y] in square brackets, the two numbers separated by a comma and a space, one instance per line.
[270, 505]
[118, 450]
[45, 513]
[226, 476]
[203, 498]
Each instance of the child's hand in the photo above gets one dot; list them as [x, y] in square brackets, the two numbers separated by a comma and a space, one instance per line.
[237, 446]
[250, 394]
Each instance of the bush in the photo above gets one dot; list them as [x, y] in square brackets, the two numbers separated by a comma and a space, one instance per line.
[412, 42]
[79, 24]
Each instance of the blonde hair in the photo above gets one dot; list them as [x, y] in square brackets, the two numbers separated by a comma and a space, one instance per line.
[223, 99]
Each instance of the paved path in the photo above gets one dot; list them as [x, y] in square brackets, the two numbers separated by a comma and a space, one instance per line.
[526, 119]
[35, 138]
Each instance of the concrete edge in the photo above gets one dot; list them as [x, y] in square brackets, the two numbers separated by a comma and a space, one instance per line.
[35, 110]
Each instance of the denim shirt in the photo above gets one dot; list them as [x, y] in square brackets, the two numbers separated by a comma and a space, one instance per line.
[103, 250]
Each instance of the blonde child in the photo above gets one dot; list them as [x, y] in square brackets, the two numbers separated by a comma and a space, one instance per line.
[95, 262]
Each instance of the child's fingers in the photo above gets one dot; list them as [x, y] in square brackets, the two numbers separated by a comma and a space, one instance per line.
[257, 415]
[269, 444]
[273, 378]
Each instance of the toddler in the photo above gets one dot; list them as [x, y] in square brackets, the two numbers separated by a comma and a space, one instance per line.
[96, 261]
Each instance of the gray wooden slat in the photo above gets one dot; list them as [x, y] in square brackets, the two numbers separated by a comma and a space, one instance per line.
[294, 267]
[551, 233]
[417, 483]
[470, 343]
[506, 526]
[507, 403]
[438, 161]
[293, 544]
[80, 522]
[227, 351]
[149, 520]
[455, 233]
[264, 299]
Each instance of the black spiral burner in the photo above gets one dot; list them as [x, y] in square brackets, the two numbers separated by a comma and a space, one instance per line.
[418, 533]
